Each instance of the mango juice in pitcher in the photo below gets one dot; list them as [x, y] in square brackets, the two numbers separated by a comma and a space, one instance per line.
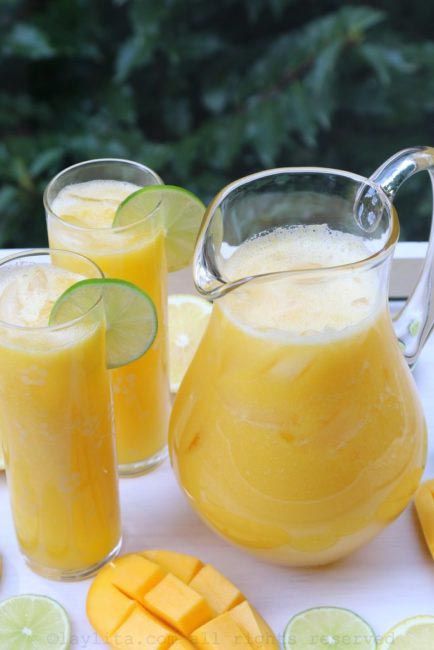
[297, 433]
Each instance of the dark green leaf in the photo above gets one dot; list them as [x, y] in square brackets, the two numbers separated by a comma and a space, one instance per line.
[27, 41]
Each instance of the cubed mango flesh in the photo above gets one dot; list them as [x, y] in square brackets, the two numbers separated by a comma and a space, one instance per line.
[259, 634]
[424, 503]
[142, 631]
[221, 633]
[137, 603]
[182, 644]
[182, 566]
[111, 610]
[106, 606]
[178, 604]
[219, 593]
[136, 575]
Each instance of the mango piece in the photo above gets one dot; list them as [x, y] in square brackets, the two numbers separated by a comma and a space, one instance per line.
[253, 626]
[182, 566]
[178, 604]
[424, 502]
[182, 644]
[142, 631]
[135, 575]
[219, 593]
[221, 633]
[106, 606]
[112, 608]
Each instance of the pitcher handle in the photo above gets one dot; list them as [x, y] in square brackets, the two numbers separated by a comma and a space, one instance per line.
[415, 321]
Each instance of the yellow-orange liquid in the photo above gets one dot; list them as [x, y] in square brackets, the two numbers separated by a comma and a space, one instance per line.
[297, 432]
[56, 425]
[137, 254]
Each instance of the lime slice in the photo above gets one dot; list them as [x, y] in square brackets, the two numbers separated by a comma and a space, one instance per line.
[180, 212]
[188, 318]
[323, 627]
[412, 634]
[33, 623]
[131, 318]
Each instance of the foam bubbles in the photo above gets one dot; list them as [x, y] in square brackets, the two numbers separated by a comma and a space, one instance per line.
[304, 304]
[27, 293]
[92, 203]
[295, 248]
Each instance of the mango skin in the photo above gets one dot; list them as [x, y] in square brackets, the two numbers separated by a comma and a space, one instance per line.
[126, 606]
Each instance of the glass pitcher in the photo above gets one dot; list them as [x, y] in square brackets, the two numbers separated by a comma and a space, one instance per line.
[298, 433]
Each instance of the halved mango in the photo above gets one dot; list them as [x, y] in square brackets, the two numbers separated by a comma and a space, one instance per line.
[182, 566]
[137, 603]
[219, 593]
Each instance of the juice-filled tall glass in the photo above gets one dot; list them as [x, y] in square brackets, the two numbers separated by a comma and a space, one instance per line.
[81, 203]
[56, 421]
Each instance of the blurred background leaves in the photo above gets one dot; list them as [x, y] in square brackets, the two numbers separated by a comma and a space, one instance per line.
[205, 92]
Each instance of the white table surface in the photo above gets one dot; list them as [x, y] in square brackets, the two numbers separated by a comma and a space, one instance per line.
[389, 579]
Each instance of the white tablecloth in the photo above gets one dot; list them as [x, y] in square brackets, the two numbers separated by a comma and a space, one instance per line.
[390, 579]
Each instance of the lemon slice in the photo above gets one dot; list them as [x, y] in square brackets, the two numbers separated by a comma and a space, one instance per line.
[188, 318]
[130, 314]
[33, 623]
[328, 627]
[412, 634]
[179, 211]
[2, 459]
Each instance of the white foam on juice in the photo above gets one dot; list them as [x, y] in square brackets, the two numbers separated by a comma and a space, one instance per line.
[93, 203]
[301, 305]
[28, 292]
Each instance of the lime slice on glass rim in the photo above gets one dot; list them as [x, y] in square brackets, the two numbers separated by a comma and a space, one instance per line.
[179, 211]
[130, 314]
[412, 634]
[30, 622]
[325, 627]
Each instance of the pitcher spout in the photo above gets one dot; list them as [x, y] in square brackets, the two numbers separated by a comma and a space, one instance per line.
[278, 199]
[206, 272]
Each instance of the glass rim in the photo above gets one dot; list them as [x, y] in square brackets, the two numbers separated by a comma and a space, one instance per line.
[103, 229]
[372, 260]
[47, 252]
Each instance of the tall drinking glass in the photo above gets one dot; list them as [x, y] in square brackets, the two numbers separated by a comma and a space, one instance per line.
[80, 203]
[56, 419]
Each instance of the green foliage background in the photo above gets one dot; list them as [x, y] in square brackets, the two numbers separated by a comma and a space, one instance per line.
[205, 92]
